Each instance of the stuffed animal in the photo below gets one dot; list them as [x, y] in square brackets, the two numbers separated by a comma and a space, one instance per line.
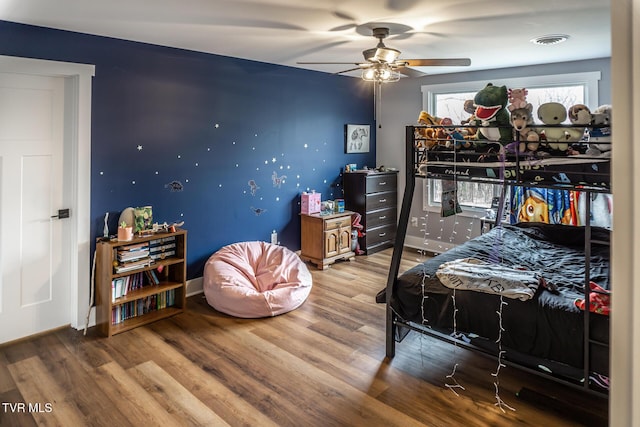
[469, 132]
[579, 114]
[450, 136]
[356, 233]
[600, 137]
[521, 120]
[517, 99]
[441, 133]
[427, 136]
[490, 103]
[553, 113]
[599, 300]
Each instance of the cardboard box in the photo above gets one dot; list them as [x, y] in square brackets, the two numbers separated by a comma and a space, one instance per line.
[310, 203]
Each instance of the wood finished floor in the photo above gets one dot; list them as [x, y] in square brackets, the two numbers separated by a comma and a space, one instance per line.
[320, 365]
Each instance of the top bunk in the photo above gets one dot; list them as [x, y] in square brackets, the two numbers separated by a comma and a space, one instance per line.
[576, 159]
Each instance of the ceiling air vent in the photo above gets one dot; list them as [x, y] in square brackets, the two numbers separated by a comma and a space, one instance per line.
[549, 39]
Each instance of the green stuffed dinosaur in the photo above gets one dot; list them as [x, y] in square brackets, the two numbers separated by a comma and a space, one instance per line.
[491, 114]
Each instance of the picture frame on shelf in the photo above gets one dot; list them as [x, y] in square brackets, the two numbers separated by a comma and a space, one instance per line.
[143, 219]
[357, 138]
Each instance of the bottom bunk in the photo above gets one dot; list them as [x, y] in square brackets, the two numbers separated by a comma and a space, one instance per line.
[543, 326]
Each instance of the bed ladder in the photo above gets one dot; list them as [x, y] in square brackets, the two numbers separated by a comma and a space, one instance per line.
[403, 221]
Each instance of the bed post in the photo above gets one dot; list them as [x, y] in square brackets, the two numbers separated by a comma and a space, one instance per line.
[587, 290]
[407, 198]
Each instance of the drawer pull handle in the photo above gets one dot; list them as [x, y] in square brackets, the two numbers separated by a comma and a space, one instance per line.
[382, 234]
[382, 217]
[383, 200]
[382, 183]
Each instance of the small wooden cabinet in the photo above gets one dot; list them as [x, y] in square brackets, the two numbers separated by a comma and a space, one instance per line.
[326, 238]
[374, 196]
[155, 281]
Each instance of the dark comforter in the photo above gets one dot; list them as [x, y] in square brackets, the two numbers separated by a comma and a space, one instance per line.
[547, 327]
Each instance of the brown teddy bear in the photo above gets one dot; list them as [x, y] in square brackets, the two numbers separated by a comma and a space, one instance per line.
[426, 137]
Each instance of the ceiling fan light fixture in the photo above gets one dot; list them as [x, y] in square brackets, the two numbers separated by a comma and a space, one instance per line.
[368, 74]
[550, 39]
[381, 73]
[386, 54]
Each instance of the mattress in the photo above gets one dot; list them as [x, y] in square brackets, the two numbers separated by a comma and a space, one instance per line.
[546, 330]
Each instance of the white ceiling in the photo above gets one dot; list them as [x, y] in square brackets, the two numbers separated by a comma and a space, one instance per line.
[492, 33]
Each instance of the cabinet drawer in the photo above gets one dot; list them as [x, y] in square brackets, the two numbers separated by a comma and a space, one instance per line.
[381, 234]
[381, 200]
[381, 217]
[335, 223]
[380, 183]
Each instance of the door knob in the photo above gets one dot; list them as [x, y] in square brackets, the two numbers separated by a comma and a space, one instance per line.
[62, 213]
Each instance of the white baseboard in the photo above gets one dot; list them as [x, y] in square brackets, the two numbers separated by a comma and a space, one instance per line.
[195, 286]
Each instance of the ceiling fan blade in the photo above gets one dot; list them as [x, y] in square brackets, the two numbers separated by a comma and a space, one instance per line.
[343, 27]
[349, 70]
[410, 72]
[335, 63]
[454, 62]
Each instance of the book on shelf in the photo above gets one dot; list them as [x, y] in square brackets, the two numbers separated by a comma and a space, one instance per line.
[161, 241]
[118, 288]
[142, 306]
[121, 286]
[161, 255]
[153, 277]
[133, 251]
[132, 256]
[133, 265]
[134, 247]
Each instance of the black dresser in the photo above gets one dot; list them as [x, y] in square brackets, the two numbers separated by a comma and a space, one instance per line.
[374, 195]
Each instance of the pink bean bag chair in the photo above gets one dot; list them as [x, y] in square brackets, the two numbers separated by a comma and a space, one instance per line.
[256, 279]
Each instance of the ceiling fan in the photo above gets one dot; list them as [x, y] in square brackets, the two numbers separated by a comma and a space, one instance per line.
[381, 63]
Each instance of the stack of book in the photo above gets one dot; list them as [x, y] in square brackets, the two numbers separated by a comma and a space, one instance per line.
[132, 257]
[162, 247]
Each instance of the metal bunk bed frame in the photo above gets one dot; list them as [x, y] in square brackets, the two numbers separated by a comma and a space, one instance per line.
[394, 324]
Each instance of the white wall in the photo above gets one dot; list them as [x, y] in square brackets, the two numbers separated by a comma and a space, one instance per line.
[624, 399]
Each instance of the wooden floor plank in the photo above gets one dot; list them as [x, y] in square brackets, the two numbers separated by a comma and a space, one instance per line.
[38, 386]
[140, 407]
[174, 396]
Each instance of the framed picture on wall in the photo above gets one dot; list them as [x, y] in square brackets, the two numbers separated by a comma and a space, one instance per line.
[357, 138]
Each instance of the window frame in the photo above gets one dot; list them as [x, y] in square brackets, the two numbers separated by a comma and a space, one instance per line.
[590, 80]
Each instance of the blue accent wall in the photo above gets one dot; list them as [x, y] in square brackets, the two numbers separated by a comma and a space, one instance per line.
[226, 145]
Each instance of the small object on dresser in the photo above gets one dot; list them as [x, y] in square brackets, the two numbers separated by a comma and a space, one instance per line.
[310, 202]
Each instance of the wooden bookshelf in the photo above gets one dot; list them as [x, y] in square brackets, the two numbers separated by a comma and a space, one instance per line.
[149, 301]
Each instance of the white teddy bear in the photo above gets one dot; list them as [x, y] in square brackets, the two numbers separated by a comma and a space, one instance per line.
[600, 136]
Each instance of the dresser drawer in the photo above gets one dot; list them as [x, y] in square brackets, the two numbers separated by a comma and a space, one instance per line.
[381, 234]
[377, 201]
[335, 223]
[380, 217]
[379, 183]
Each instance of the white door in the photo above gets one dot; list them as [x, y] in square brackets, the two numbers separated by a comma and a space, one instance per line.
[34, 254]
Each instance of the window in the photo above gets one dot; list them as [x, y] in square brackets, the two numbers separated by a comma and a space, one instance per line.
[447, 100]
